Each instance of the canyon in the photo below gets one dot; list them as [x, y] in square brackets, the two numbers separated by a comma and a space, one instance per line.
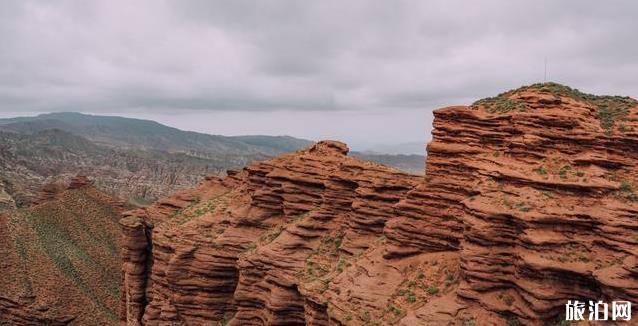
[528, 202]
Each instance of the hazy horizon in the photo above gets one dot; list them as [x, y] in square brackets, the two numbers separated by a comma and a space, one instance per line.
[416, 147]
[368, 73]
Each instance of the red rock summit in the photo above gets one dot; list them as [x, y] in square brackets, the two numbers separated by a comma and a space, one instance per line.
[528, 201]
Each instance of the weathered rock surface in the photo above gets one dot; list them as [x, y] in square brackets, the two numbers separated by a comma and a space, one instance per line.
[528, 201]
[241, 248]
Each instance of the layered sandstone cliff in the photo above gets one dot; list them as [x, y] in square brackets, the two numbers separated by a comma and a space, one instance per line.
[528, 201]
[241, 248]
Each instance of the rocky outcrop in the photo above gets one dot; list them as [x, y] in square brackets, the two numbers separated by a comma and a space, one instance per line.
[528, 201]
[553, 214]
[239, 248]
[529, 198]
[14, 313]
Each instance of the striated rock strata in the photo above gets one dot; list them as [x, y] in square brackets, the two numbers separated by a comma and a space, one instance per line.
[528, 201]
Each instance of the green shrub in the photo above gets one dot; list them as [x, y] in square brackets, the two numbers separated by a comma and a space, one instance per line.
[499, 104]
[432, 290]
[541, 170]
[625, 187]
[411, 297]
[396, 310]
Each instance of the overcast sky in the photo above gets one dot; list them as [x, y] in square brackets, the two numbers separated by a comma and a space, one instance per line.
[366, 72]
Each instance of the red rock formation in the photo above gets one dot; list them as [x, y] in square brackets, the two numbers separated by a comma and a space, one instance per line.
[14, 313]
[255, 229]
[532, 194]
[53, 190]
[528, 202]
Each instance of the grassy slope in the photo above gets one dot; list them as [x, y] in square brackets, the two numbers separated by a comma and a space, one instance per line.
[65, 255]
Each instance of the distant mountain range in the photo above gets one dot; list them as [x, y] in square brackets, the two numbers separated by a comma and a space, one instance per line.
[145, 134]
[138, 160]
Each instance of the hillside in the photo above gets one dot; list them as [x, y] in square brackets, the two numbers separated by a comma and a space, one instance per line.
[29, 161]
[60, 260]
[149, 135]
[529, 201]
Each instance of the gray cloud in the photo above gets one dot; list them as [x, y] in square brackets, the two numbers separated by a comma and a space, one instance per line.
[304, 56]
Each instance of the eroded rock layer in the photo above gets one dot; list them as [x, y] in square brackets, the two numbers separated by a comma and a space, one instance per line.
[528, 201]
[242, 248]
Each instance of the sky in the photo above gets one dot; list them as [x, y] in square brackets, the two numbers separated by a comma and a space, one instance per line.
[365, 72]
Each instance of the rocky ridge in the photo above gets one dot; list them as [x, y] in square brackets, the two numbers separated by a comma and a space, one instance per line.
[528, 202]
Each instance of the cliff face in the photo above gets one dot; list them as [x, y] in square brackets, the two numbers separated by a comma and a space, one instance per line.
[245, 247]
[528, 201]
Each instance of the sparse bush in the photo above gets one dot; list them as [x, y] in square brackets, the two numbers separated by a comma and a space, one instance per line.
[523, 207]
[508, 299]
[252, 246]
[366, 316]
[347, 317]
[563, 171]
[411, 297]
[625, 187]
[499, 104]
[541, 170]
[395, 310]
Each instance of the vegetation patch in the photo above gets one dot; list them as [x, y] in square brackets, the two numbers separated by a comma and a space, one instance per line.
[523, 207]
[499, 104]
[564, 170]
[433, 290]
[626, 191]
[541, 170]
[611, 110]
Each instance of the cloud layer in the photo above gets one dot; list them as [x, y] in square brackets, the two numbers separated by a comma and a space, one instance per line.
[380, 57]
